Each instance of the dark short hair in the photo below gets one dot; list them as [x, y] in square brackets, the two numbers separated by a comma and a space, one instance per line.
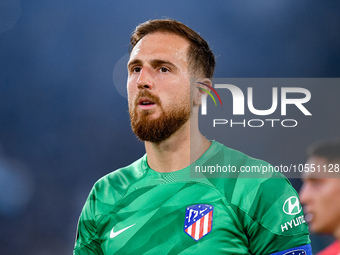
[200, 56]
[329, 150]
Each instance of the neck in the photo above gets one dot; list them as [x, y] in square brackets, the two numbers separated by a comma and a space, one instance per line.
[178, 151]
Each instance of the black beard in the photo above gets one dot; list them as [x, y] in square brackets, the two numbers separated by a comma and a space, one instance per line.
[160, 129]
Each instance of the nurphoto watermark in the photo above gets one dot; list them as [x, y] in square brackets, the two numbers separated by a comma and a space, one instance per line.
[279, 98]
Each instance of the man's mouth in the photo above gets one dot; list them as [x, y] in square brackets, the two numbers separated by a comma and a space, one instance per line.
[146, 103]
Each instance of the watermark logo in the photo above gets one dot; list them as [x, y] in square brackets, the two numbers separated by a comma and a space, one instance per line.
[208, 92]
[264, 99]
[238, 100]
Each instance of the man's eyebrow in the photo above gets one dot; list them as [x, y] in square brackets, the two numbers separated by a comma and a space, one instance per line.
[154, 63]
[159, 62]
[134, 62]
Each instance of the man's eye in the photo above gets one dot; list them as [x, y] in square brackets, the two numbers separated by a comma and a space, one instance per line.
[136, 69]
[164, 69]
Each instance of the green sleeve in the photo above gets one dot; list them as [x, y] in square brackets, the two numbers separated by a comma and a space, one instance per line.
[87, 241]
[270, 228]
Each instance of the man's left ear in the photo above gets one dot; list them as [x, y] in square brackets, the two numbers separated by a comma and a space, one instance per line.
[199, 92]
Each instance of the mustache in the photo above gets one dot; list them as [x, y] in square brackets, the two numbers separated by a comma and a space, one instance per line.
[149, 95]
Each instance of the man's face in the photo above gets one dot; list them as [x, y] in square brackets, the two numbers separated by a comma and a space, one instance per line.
[321, 197]
[159, 86]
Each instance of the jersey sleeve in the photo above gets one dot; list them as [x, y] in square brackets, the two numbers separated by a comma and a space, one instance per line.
[265, 204]
[87, 241]
[272, 215]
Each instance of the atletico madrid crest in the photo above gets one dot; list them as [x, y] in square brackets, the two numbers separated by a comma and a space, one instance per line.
[198, 220]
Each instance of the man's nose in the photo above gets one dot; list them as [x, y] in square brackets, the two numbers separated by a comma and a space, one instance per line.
[304, 194]
[145, 80]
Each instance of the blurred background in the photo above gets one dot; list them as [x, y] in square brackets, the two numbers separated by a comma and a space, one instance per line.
[63, 112]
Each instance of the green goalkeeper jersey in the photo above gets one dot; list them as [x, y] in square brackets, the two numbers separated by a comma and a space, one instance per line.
[136, 210]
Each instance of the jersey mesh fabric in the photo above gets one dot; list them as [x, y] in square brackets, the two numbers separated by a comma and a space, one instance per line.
[248, 215]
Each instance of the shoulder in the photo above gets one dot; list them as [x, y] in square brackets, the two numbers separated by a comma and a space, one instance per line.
[115, 184]
[230, 163]
[265, 203]
[241, 177]
[265, 198]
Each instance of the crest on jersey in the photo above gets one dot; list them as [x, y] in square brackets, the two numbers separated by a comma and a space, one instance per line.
[198, 220]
